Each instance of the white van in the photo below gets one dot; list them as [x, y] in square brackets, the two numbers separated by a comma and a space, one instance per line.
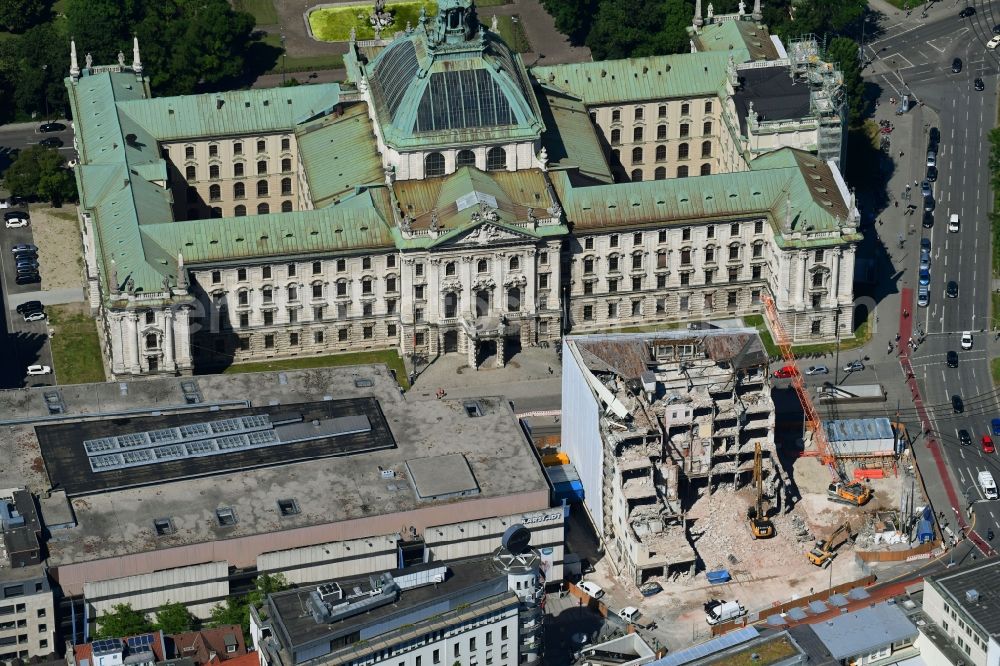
[632, 615]
[717, 611]
[953, 223]
[592, 589]
[988, 485]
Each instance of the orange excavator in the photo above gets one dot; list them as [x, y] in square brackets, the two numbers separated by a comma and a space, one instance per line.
[761, 526]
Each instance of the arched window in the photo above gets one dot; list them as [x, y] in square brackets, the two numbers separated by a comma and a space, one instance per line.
[151, 341]
[262, 188]
[241, 211]
[261, 146]
[660, 173]
[213, 171]
[706, 169]
[706, 148]
[682, 151]
[636, 155]
[661, 132]
[238, 169]
[190, 172]
[682, 172]
[216, 211]
[514, 264]
[286, 165]
[636, 175]
[616, 137]
[465, 158]
[262, 167]
[214, 193]
[482, 266]
[637, 134]
[239, 190]
[496, 159]
[286, 186]
[434, 165]
[707, 128]
[513, 299]
[661, 153]
[286, 206]
[449, 268]
[263, 209]
[450, 304]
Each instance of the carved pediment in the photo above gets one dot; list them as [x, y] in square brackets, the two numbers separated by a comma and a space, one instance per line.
[487, 234]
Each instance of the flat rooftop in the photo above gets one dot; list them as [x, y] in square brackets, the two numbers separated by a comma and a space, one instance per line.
[984, 579]
[289, 433]
[291, 610]
[775, 94]
[864, 630]
[119, 521]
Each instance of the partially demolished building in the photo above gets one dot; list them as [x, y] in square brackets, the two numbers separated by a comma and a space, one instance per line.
[652, 420]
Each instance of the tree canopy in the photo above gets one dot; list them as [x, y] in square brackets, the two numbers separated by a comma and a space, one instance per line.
[19, 15]
[41, 172]
[236, 610]
[173, 617]
[122, 621]
[844, 52]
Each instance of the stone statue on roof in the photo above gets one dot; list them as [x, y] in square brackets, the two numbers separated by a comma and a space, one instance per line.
[711, 12]
[166, 283]
[543, 157]
[494, 24]
[88, 61]
[354, 34]
[115, 284]
[742, 8]
[130, 285]
[121, 59]
[435, 224]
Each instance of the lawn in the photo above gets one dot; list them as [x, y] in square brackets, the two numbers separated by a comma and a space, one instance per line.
[512, 32]
[390, 357]
[333, 24]
[862, 334]
[262, 10]
[76, 349]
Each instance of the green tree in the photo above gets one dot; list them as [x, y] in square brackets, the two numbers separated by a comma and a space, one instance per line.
[844, 52]
[38, 60]
[637, 28]
[234, 610]
[100, 27]
[122, 621]
[174, 618]
[572, 17]
[264, 585]
[41, 172]
[19, 15]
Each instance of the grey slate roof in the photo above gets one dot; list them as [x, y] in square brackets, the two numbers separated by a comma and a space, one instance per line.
[865, 630]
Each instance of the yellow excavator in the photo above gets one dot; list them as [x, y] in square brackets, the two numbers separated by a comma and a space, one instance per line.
[855, 494]
[823, 552]
[761, 526]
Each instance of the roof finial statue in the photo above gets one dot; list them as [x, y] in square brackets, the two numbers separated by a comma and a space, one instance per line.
[788, 211]
[182, 276]
[88, 60]
[494, 24]
[121, 59]
[698, 22]
[354, 35]
[435, 224]
[742, 9]
[136, 62]
[711, 12]
[74, 66]
[543, 157]
[115, 285]
[694, 49]
[757, 15]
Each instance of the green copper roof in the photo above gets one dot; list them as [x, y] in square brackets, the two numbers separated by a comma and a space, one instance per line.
[339, 153]
[790, 185]
[438, 86]
[350, 225]
[735, 36]
[640, 79]
[569, 137]
[240, 112]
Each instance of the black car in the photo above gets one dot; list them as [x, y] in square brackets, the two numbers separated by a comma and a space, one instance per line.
[956, 404]
[956, 65]
[964, 438]
[967, 12]
[935, 136]
[951, 291]
[51, 127]
[16, 215]
[27, 278]
[952, 359]
[928, 219]
[996, 29]
[29, 306]
[979, 85]
[51, 142]
[929, 204]
[932, 174]
[25, 256]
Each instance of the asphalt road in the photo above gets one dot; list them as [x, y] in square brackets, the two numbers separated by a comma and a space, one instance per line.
[916, 58]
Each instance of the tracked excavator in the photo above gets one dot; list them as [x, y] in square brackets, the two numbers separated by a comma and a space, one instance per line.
[854, 494]
[823, 552]
[761, 526]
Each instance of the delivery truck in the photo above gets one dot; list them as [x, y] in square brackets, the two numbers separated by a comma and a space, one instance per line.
[718, 611]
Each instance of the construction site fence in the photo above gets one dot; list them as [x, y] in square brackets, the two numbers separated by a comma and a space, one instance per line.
[779, 608]
[899, 555]
[587, 600]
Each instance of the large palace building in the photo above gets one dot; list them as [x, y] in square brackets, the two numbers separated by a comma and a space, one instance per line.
[448, 199]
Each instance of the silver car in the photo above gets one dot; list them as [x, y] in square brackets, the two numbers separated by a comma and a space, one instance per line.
[817, 370]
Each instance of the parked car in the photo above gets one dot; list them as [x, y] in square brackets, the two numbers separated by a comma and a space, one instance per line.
[51, 127]
[988, 444]
[854, 366]
[925, 263]
[923, 296]
[925, 186]
[996, 29]
[925, 244]
[34, 315]
[993, 43]
[928, 220]
[995, 427]
[924, 277]
[966, 339]
[27, 278]
[592, 589]
[964, 438]
[935, 136]
[929, 204]
[951, 291]
[650, 589]
[51, 142]
[951, 359]
[931, 161]
[967, 12]
[23, 247]
[29, 306]
[35, 370]
[785, 372]
[15, 220]
[932, 174]
[817, 370]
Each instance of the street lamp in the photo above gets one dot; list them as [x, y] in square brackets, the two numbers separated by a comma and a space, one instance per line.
[282, 58]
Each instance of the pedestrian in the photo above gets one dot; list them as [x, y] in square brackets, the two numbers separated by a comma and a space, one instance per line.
[906, 313]
[897, 337]
[901, 153]
[895, 204]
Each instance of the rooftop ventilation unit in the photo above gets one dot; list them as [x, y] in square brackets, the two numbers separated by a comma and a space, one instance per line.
[972, 596]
